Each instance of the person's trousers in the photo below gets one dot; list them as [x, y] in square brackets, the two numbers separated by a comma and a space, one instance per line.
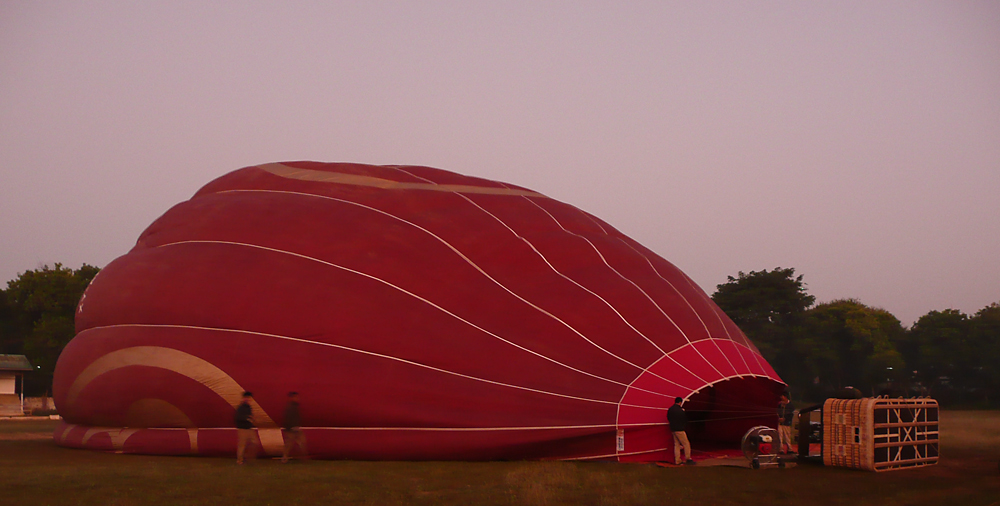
[681, 440]
[244, 438]
[785, 435]
[294, 437]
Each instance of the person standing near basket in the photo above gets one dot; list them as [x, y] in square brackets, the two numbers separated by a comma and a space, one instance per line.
[785, 414]
[677, 419]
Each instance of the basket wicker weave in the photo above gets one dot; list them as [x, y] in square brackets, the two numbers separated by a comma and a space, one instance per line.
[880, 434]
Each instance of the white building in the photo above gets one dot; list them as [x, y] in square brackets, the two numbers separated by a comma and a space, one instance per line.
[12, 369]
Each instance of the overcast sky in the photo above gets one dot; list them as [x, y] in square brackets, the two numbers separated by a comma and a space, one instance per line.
[858, 142]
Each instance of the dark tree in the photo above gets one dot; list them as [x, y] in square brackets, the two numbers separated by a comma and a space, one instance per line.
[854, 345]
[10, 331]
[954, 357]
[984, 339]
[763, 298]
[43, 304]
[936, 348]
[820, 349]
[769, 306]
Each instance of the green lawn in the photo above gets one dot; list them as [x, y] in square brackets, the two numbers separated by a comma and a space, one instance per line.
[36, 472]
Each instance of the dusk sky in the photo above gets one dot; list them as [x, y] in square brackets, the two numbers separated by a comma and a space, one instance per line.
[858, 142]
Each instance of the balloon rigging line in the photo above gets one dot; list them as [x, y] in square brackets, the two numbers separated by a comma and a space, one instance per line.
[718, 314]
[601, 256]
[726, 357]
[745, 347]
[458, 191]
[365, 352]
[647, 369]
[715, 309]
[459, 429]
[602, 299]
[644, 370]
[597, 222]
[610, 455]
[665, 280]
[692, 391]
[467, 260]
[697, 291]
[553, 268]
[456, 316]
[386, 283]
[658, 307]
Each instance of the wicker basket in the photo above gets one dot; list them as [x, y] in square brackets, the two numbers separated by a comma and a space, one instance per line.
[880, 434]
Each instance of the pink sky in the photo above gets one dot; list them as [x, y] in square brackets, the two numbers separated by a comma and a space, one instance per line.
[858, 142]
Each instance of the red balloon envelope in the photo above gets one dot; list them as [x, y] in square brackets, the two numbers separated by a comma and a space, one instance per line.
[419, 313]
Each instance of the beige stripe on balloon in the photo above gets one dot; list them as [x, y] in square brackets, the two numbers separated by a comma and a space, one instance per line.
[186, 365]
[118, 436]
[322, 176]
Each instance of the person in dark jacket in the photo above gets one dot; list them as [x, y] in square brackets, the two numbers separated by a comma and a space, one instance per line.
[244, 429]
[677, 419]
[292, 429]
[785, 414]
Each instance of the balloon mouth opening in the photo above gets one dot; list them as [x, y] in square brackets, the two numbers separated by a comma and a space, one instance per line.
[723, 412]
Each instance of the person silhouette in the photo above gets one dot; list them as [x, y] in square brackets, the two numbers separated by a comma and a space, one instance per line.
[677, 419]
[291, 429]
[245, 436]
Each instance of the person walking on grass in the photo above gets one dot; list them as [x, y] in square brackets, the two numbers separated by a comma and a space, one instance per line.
[292, 430]
[244, 429]
[677, 419]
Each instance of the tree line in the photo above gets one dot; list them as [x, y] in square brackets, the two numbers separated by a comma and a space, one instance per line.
[817, 349]
[36, 318]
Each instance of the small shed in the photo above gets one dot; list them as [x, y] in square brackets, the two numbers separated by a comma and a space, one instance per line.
[12, 369]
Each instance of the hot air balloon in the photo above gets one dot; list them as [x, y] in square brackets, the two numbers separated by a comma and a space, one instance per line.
[419, 313]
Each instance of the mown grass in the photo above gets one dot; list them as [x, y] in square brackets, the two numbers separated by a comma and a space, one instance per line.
[37, 472]
[25, 426]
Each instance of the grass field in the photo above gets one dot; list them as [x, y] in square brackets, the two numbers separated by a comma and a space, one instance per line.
[33, 471]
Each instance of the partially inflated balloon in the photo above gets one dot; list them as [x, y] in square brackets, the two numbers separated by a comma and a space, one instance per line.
[419, 314]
